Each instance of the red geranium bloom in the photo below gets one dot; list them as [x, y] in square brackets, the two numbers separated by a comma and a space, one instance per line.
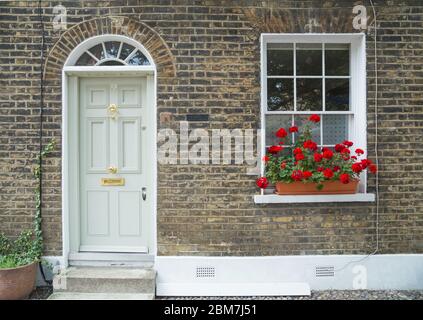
[318, 157]
[297, 175]
[344, 178]
[336, 168]
[356, 167]
[281, 133]
[345, 151]
[365, 163]
[373, 168]
[328, 173]
[328, 154]
[298, 151]
[266, 158]
[262, 182]
[314, 118]
[320, 169]
[348, 143]
[293, 129]
[359, 151]
[299, 157]
[283, 165]
[307, 174]
[339, 147]
[274, 149]
[309, 144]
[353, 157]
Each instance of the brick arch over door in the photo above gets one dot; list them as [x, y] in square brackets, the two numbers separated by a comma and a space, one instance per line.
[136, 30]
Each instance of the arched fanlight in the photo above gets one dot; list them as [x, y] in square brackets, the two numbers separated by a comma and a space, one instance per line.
[112, 53]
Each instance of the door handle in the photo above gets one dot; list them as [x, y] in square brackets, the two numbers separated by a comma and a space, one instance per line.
[112, 169]
[144, 193]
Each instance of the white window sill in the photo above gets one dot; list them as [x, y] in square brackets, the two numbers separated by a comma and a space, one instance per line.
[273, 198]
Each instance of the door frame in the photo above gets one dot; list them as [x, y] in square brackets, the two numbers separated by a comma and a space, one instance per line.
[70, 146]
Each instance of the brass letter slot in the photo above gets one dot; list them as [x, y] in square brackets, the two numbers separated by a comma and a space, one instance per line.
[112, 181]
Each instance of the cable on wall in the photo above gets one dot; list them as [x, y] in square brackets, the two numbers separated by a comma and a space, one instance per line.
[376, 145]
[40, 14]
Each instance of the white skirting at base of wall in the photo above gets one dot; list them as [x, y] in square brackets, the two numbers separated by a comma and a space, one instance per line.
[285, 275]
[281, 275]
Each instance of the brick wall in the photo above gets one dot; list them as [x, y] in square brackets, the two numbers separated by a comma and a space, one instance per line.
[208, 56]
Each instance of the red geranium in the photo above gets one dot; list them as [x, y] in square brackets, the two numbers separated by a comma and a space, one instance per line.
[309, 144]
[307, 174]
[365, 163]
[348, 143]
[293, 129]
[373, 168]
[359, 151]
[281, 133]
[298, 151]
[318, 157]
[328, 173]
[339, 147]
[262, 182]
[328, 154]
[274, 149]
[344, 178]
[299, 157]
[314, 118]
[356, 167]
[297, 175]
[309, 163]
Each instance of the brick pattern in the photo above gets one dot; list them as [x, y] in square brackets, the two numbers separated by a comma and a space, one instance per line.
[208, 55]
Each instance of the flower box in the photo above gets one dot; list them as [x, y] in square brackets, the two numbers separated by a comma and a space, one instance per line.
[310, 169]
[303, 188]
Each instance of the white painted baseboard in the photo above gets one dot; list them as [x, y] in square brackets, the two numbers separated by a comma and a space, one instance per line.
[286, 275]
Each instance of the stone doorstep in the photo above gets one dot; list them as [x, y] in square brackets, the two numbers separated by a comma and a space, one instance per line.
[105, 280]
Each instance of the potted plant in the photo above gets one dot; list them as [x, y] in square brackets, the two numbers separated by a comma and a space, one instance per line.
[308, 169]
[19, 258]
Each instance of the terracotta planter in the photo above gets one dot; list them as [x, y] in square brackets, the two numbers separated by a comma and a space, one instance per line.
[329, 187]
[17, 283]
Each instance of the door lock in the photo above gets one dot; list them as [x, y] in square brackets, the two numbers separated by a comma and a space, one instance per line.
[112, 169]
[144, 193]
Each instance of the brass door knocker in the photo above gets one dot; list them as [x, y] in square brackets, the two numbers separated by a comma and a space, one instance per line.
[112, 110]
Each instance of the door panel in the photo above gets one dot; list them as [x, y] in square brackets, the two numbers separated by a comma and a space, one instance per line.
[129, 145]
[98, 213]
[114, 217]
[97, 144]
[130, 213]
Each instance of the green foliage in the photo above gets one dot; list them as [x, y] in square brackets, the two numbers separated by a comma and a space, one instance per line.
[28, 247]
[22, 251]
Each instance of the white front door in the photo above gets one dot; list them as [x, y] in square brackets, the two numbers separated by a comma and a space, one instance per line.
[115, 177]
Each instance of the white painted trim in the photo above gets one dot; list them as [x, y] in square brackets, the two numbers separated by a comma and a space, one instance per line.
[274, 198]
[81, 71]
[176, 275]
[358, 131]
[90, 42]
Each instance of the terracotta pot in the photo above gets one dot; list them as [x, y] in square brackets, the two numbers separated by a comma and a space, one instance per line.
[329, 187]
[17, 283]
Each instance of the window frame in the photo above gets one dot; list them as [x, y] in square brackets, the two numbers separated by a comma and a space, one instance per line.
[358, 86]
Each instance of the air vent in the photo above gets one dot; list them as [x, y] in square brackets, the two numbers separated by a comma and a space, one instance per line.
[325, 271]
[205, 272]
